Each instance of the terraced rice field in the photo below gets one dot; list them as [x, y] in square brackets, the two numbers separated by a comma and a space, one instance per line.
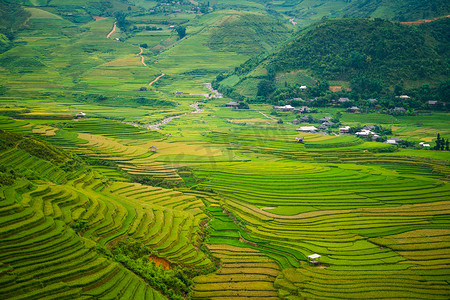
[39, 249]
[379, 233]
[244, 274]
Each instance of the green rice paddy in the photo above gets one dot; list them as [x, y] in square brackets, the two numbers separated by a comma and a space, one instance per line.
[226, 194]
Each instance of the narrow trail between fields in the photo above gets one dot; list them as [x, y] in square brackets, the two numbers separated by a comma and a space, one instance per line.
[167, 120]
[268, 117]
[142, 58]
[424, 20]
[112, 31]
[214, 93]
[156, 79]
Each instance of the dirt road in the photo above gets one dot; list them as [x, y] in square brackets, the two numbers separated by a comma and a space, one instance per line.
[112, 31]
[167, 120]
[142, 58]
[156, 79]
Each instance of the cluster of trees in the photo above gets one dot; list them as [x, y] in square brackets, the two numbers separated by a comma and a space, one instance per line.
[441, 143]
[7, 176]
[155, 181]
[173, 283]
[12, 20]
[406, 10]
[181, 31]
[31, 145]
[122, 22]
[375, 56]
[377, 49]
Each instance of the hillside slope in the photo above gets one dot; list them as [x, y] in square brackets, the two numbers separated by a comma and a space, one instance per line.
[383, 52]
[345, 48]
[405, 10]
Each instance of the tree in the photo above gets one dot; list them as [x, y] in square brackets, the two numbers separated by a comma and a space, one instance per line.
[122, 22]
[444, 91]
[243, 105]
[181, 30]
[439, 143]
[265, 88]
[447, 145]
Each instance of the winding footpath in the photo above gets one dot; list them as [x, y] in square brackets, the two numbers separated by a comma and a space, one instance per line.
[113, 30]
[167, 120]
[213, 91]
[268, 117]
[156, 79]
[142, 57]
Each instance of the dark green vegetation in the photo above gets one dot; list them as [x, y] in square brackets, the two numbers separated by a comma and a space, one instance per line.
[248, 34]
[12, 19]
[158, 190]
[409, 10]
[375, 49]
[376, 58]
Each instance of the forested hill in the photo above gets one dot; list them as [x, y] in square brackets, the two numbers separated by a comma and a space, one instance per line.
[343, 49]
[405, 10]
[12, 18]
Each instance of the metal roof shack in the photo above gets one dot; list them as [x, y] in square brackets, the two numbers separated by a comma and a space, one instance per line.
[314, 258]
[307, 129]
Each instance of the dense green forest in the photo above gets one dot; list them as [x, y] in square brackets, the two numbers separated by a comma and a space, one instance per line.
[12, 19]
[375, 57]
[406, 10]
[347, 48]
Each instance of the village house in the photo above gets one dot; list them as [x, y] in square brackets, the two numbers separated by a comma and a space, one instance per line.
[80, 115]
[328, 123]
[432, 103]
[299, 139]
[353, 109]
[303, 110]
[310, 129]
[404, 97]
[305, 118]
[178, 93]
[303, 88]
[343, 100]
[232, 104]
[314, 259]
[424, 145]
[296, 122]
[284, 108]
[367, 133]
[325, 119]
[369, 127]
[323, 127]
[399, 109]
[394, 140]
[344, 130]
[372, 100]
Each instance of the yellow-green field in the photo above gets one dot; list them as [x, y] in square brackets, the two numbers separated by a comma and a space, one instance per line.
[226, 198]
